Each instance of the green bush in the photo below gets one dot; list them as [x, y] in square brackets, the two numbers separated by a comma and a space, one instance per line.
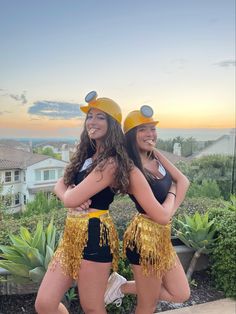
[42, 204]
[191, 205]
[217, 168]
[208, 188]
[231, 205]
[29, 254]
[196, 231]
[12, 223]
[200, 204]
[122, 210]
[223, 256]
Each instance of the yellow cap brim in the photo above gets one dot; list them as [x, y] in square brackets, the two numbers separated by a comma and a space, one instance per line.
[85, 109]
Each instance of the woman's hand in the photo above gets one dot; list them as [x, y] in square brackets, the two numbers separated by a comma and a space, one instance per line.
[83, 206]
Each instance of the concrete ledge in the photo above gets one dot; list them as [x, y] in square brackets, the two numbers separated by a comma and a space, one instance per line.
[223, 306]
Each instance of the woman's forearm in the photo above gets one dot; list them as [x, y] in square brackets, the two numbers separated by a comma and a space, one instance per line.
[60, 189]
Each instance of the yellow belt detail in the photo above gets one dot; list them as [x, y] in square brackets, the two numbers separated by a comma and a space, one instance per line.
[86, 214]
[97, 213]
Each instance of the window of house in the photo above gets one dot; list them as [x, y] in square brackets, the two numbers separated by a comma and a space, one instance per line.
[49, 175]
[17, 175]
[45, 175]
[38, 175]
[7, 176]
[24, 199]
[17, 199]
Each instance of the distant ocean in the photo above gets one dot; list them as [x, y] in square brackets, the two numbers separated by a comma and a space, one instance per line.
[164, 134]
[198, 134]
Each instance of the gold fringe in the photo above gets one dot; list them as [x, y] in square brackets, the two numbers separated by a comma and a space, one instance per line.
[70, 250]
[109, 235]
[153, 242]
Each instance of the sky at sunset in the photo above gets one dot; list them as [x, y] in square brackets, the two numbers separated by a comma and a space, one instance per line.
[176, 55]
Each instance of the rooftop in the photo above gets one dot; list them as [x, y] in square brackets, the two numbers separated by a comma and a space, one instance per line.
[18, 158]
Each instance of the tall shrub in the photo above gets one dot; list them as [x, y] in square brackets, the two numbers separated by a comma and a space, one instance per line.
[217, 168]
[223, 256]
[208, 188]
[42, 204]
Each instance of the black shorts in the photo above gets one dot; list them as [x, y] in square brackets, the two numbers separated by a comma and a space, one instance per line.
[93, 251]
[133, 256]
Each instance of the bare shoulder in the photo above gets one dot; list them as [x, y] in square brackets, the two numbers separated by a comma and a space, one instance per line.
[136, 174]
[107, 166]
[134, 171]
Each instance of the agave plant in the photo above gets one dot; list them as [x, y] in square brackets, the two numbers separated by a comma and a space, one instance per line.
[28, 257]
[196, 232]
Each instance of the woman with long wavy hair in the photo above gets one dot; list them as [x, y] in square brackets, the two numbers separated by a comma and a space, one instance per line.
[89, 247]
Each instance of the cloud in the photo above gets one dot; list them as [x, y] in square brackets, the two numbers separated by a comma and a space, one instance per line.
[55, 110]
[226, 63]
[17, 97]
[21, 98]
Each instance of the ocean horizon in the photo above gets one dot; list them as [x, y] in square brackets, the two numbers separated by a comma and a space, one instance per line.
[199, 134]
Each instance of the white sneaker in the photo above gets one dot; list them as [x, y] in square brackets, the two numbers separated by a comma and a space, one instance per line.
[113, 292]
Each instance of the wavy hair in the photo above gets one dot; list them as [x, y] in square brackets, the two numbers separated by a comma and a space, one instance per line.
[112, 146]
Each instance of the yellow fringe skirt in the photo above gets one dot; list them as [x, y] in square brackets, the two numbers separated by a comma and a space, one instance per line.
[75, 237]
[153, 244]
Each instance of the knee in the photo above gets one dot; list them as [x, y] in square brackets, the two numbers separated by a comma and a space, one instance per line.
[43, 305]
[40, 306]
[186, 294]
[90, 309]
[182, 296]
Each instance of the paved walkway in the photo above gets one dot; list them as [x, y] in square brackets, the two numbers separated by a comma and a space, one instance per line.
[224, 306]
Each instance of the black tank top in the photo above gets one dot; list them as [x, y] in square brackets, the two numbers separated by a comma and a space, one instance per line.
[102, 199]
[160, 188]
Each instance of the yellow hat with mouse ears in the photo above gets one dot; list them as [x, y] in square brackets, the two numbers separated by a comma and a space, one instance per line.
[106, 105]
[139, 117]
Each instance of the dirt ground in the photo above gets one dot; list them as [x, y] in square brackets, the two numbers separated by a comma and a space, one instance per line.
[201, 291]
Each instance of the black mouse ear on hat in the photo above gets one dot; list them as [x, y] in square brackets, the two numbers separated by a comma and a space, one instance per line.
[91, 96]
[146, 111]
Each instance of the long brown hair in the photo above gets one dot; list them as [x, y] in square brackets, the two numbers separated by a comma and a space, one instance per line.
[112, 146]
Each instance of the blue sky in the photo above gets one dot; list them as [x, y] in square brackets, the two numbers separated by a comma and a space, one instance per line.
[176, 55]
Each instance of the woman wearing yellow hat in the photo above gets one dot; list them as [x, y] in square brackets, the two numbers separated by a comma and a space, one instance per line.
[157, 270]
[99, 168]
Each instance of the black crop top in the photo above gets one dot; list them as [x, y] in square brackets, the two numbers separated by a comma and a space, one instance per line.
[160, 188]
[102, 199]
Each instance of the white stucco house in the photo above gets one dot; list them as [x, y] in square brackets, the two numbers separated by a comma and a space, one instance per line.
[23, 174]
[224, 145]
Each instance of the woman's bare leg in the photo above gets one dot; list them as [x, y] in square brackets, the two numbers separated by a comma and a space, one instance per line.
[175, 287]
[148, 290]
[51, 291]
[170, 291]
[93, 278]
